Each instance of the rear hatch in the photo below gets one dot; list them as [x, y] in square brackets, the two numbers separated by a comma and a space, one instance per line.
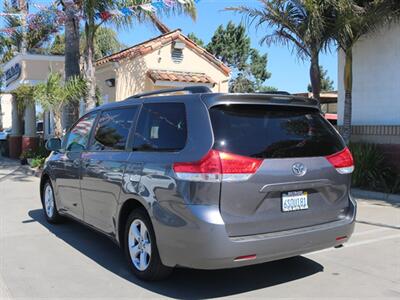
[297, 168]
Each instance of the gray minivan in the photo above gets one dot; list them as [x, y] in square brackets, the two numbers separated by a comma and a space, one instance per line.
[204, 180]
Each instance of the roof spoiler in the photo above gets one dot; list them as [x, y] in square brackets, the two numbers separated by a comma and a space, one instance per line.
[190, 89]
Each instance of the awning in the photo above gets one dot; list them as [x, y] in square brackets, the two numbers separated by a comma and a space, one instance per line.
[177, 76]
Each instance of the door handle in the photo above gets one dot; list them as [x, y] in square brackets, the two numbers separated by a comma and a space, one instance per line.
[87, 162]
[76, 162]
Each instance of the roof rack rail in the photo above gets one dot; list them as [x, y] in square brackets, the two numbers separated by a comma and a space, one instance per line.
[275, 93]
[190, 89]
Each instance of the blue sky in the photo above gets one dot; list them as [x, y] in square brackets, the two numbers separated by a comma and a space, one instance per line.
[288, 72]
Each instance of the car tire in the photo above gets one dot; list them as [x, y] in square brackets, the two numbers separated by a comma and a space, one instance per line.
[49, 204]
[141, 249]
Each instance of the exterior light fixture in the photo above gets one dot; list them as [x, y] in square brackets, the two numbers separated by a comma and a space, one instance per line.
[110, 82]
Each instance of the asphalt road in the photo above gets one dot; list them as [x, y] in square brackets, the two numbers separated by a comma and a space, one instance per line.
[38, 260]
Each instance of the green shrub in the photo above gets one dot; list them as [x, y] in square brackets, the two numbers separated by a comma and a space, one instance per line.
[371, 170]
[41, 151]
[38, 162]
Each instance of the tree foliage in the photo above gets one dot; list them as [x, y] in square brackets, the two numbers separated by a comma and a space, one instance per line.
[35, 38]
[299, 24]
[106, 42]
[55, 93]
[232, 45]
[327, 84]
[92, 9]
[23, 95]
[195, 39]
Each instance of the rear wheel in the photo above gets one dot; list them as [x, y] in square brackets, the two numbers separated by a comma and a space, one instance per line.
[49, 204]
[140, 248]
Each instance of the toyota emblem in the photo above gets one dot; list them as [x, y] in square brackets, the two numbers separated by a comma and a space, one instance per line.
[299, 169]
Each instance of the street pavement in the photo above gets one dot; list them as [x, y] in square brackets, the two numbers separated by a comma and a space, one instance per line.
[38, 260]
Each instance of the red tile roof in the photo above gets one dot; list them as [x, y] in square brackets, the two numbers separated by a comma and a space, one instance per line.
[175, 76]
[159, 42]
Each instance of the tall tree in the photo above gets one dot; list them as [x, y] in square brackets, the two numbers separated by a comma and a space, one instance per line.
[232, 46]
[95, 16]
[22, 39]
[72, 55]
[351, 20]
[106, 42]
[326, 81]
[299, 24]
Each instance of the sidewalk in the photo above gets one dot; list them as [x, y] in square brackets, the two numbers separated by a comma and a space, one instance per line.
[8, 166]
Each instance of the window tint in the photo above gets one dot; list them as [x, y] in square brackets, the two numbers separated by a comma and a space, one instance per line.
[273, 132]
[113, 128]
[161, 127]
[78, 138]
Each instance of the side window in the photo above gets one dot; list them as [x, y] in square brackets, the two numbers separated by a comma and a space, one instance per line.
[78, 138]
[113, 128]
[161, 127]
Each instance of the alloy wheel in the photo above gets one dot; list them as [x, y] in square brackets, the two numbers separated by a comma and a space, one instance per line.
[139, 245]
[49, 201]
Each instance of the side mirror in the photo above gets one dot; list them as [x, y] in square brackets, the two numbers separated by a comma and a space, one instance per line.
[53, 144]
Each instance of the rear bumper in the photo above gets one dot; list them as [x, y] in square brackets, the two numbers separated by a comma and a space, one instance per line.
[200, 240]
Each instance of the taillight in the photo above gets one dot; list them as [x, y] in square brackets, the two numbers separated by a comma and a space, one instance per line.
[218, 166]
[342, 161]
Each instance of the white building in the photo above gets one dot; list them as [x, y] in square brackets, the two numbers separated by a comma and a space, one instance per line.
[376, 85]
[376, 89]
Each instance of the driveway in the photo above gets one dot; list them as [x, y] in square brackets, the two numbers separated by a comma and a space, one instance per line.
[38, 260]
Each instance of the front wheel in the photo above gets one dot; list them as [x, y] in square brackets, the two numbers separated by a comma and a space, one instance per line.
[49, 204]
[141, 249]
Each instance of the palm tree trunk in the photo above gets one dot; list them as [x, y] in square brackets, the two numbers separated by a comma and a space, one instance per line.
[348, 88]
[58, 128]
[315, 76]
[72, 57]
[89, 69]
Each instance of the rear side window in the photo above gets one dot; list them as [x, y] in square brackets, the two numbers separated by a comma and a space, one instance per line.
[273, 131]
[161, 127]
[113, 128]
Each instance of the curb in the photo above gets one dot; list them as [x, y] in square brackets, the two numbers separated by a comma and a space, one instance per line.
[370, 195]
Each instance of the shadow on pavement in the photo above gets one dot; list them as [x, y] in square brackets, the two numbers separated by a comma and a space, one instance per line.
[19, 174]
[184, 283]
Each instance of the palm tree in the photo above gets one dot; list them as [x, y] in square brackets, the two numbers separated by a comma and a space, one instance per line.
[29, 40]
[72, 56]
[352, 19]
[22, 40]
[91, 10]
[54, 94]
[299, 24]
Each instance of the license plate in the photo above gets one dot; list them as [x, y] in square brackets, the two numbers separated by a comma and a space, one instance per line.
[292, 201]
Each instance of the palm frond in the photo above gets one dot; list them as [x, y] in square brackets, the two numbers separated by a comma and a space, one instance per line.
[298, 24]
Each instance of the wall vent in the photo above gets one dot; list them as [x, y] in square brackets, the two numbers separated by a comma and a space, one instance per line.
[177, 55]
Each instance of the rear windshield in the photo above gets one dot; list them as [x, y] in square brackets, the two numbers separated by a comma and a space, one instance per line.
[273, 131]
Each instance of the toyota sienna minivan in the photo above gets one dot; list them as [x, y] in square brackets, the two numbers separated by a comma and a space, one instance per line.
[204, 180]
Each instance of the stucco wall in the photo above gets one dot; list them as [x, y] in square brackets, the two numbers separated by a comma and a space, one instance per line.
[191, 62]
[103, 73]
[131, 78]
[131, 75]
[39, 70]
[376, 85]
[6, 109]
